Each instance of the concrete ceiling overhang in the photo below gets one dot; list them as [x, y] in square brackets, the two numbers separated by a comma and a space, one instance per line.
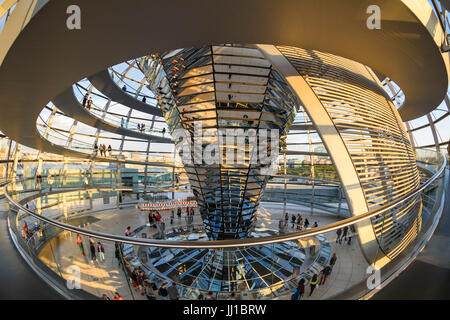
[46, 58]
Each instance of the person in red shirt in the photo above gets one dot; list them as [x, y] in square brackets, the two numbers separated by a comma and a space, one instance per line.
[117, 296]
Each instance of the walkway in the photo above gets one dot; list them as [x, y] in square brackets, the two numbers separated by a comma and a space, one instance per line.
[17, 279]
[428, 277]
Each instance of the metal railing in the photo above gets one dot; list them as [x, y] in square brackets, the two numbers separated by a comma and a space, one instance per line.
[239, 242]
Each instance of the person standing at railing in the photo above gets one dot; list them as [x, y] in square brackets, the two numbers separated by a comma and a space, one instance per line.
[86, 96]
[122, 122]
[101, 252]
[109, 150]
[332, 262]
[50, 181]
[92, 248]
[89, 104]
[80, 244]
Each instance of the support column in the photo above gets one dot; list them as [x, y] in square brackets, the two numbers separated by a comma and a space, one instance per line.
[336, 148]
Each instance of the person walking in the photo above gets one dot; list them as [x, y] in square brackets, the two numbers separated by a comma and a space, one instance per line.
[179, 213]
[325, 273]
[80, 245]
[344, 233]
[313, 283]
[298, 292]
[293, 221]
[173, 292]
[101, 252]
[128, 232]
[332, 261]
[338, 235]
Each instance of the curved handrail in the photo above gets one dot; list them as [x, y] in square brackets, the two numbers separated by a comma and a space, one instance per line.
[235, 243]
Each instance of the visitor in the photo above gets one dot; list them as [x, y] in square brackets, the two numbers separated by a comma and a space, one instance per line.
[38, 179]
[293, 221]
[179, 213]
[173, 292]
[210, 296]
[117, 253]
[163, 292]
[122, 122]
[117, 296]
[172, 216]
[299, 222]
[92, 248]
[86, 96]
[306, 224]
[332, 261]
[325, 273]
[37, 229]
[109, 150]
[124, 88]
[144, 99]
[134, 278]
[150, 219]
[25, 227]
[128, 232]
[315, 225]
[338, 235]
[105, 297]
[141, 282]
[50, 182]
[164, 132]
[80, 245]
[344, 233]
[350, 234]
[101, 252]
[298, 292]
[89, 104]
[150, 290]
[95, 149]
[200, 297]
[313, 283]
